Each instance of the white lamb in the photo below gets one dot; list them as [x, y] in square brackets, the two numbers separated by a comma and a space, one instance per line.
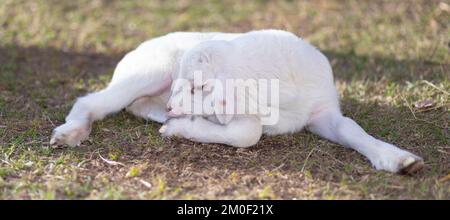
[143, 79]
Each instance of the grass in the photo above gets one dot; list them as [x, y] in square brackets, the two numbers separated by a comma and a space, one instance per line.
[387, 56]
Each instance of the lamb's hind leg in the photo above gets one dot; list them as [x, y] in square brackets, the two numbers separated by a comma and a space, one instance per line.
[332, 125]
[97, 105]
[150, 107]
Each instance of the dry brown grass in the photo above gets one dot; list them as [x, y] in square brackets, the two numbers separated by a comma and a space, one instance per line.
[381, 51]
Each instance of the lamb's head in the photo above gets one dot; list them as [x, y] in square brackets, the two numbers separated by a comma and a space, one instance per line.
[196, 85]
[208, 58]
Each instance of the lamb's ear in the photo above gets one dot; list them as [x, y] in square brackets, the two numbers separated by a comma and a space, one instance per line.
[204, 57]
[213, 51]
[223, 103]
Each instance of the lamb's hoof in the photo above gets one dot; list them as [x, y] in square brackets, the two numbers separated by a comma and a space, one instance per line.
[163, 129]
[411, 165]
[58, 140]
[71, 134]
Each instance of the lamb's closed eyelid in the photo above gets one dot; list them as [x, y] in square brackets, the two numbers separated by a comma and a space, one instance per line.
[180, 85]
[207, 86]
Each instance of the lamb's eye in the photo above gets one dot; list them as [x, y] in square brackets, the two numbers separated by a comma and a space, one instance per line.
[192, 90]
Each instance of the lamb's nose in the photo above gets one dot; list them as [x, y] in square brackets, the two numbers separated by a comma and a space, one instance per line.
[168, 108]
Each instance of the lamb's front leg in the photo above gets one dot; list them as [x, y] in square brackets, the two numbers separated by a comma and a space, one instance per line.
[240, 132]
